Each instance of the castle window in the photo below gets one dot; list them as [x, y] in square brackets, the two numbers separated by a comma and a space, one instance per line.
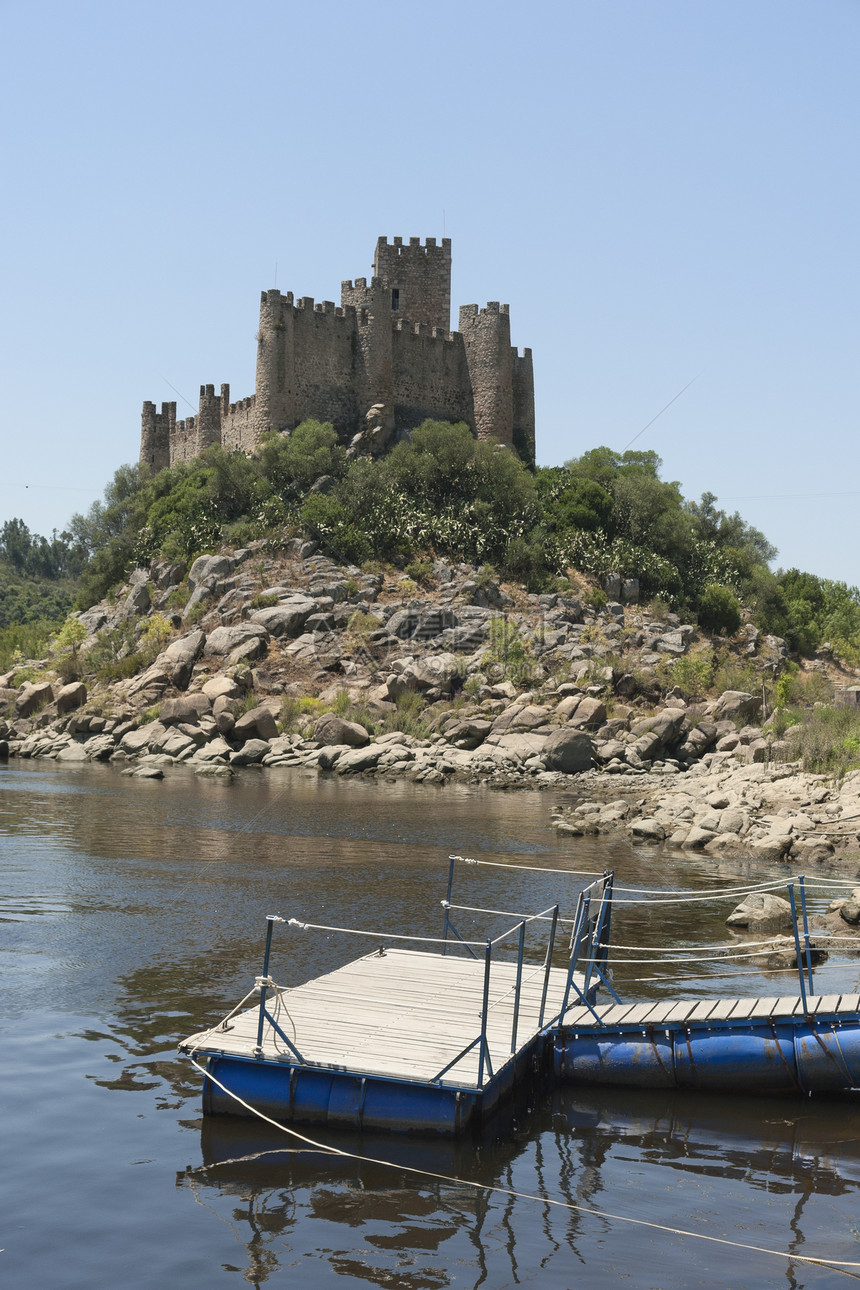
[395, 298]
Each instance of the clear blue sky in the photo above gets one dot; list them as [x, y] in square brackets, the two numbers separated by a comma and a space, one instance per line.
[662, 190]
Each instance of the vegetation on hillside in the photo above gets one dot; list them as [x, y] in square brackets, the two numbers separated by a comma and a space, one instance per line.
[438, 494]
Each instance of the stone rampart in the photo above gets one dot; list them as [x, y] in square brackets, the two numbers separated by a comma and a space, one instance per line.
[388, 343]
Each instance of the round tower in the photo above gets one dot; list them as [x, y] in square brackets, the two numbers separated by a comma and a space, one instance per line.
[273, 406]
[489, 361]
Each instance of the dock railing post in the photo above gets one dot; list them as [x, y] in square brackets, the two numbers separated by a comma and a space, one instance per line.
[797, 949]
[270, 922]
[549, 950]
[451, 860]
[518, 986]
[485, 1012]
[580, 917]
[806, 946]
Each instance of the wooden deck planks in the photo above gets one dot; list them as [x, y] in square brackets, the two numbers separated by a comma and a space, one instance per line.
[404, 1013]
[408, 1014]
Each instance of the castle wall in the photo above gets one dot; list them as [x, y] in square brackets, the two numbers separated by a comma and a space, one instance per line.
[430, 376]
[238, 423]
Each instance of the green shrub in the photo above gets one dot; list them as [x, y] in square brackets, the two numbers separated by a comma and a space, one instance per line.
[691, 673]
[731, 673]
[719, 610]
[421, 572]
[595, 598]
[509, 655]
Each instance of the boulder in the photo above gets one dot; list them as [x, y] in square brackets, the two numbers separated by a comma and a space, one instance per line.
[256, 724]
[522, 746]
[216, 750]
[32, 697]
[155, 679]
[772, 847]
[221, 687]
[698, 837]
[648, 830]
[421, 622]
[180, 656]
[207, 567]
[761, 909]
[138, 741]
[70, 697]
[521, 717]
[468, 733]
[568, 706]
[224, 640]
[173, 743]
[251, 752]
[287, 618]
[99, 747]
[569, 750]
[436, 671]
[331, 729]
[189, 707]
[589, 712]
[733, 704]
[356, 760]
[666, 725]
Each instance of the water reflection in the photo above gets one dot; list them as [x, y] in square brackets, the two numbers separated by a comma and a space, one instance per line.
[570, 1150]
[141, 907]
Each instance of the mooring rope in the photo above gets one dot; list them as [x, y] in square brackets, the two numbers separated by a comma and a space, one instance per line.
[386, 936]
[697, 894]
[507, 913]
[528, 868]
[841, 1267]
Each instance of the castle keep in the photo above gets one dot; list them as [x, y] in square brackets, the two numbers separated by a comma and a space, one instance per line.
[382, 362]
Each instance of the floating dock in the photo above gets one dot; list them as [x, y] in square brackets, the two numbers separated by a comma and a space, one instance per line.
[391, 1040]
[776, 1045]
[436, 1040]
[405, 1039]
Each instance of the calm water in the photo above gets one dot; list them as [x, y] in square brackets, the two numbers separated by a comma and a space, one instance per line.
[132, 913]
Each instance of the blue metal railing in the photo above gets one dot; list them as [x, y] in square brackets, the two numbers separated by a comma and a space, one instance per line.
[589, 934]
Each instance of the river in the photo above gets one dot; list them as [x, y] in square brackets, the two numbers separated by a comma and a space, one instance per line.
[133, 914]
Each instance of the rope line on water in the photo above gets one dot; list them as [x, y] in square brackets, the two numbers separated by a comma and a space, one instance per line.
[841, 1267]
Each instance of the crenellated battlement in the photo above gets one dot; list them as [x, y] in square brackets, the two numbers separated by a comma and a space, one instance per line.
[388, 342]
[430, 246]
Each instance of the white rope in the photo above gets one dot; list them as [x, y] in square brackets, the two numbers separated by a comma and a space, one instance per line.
[528, 868]
[386, 936]
[668, 949]
[507, 913]
[704, 895]
[732, 894]
[717, 958]
[523, 1195]
[681, 976]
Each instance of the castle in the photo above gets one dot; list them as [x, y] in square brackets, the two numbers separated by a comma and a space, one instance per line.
[382, 362]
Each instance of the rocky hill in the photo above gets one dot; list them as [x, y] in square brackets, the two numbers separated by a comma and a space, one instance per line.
[250, 659]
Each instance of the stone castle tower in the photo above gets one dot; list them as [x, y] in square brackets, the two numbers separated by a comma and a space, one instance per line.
[387, 347]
